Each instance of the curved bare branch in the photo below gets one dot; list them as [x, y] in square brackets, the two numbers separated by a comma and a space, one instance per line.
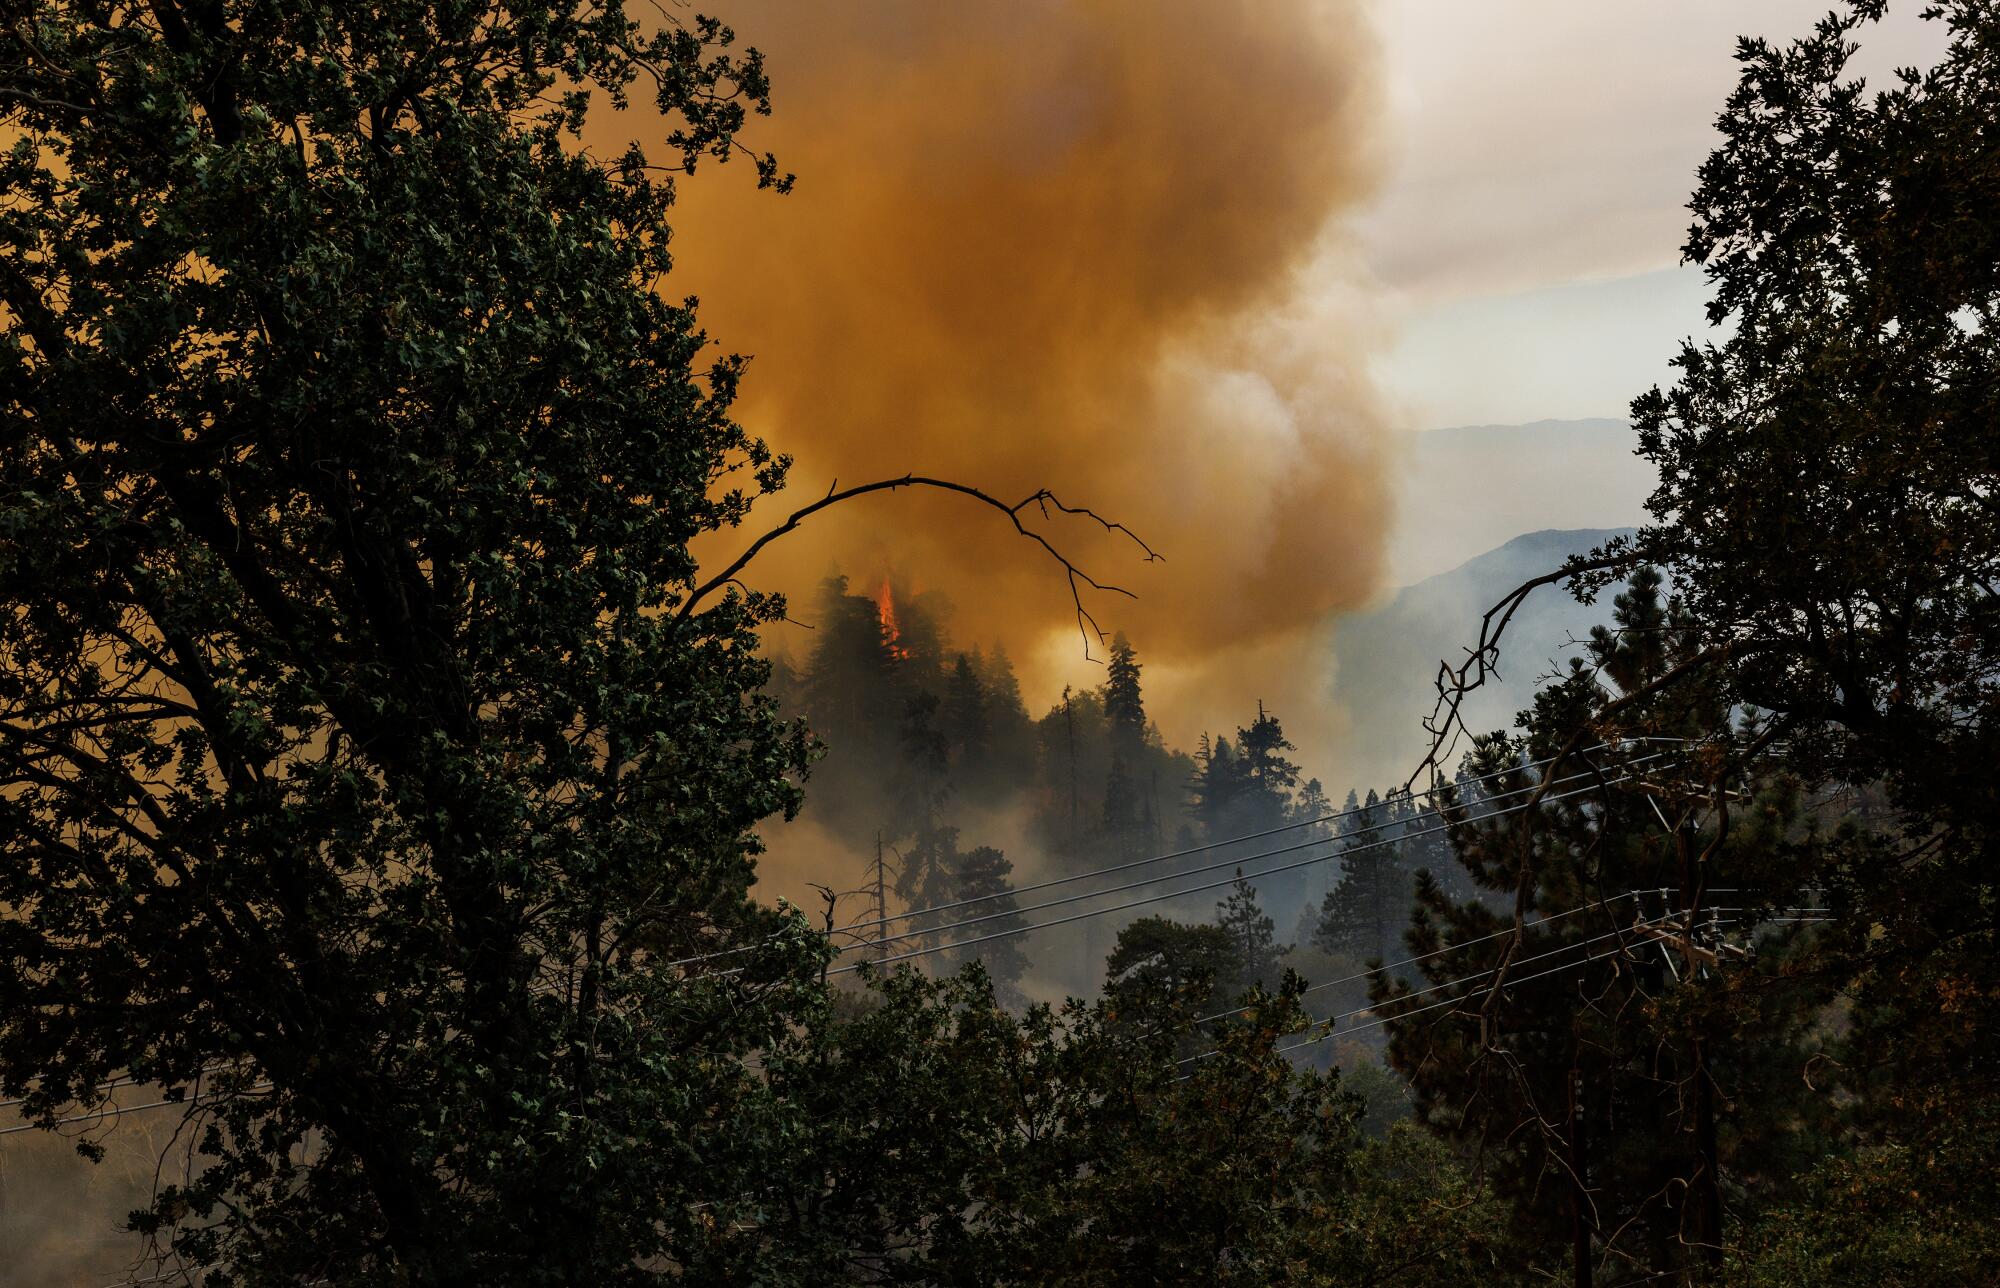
[1482, 661]
[1041, 499]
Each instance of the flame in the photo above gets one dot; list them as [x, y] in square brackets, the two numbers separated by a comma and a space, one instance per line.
[885, 613]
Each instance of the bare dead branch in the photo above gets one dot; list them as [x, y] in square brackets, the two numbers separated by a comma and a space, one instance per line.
[1454, 684]
[1041, 499]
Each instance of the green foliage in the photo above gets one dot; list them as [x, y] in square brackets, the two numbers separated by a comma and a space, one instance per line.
[1892, 1216]
[967, 725]
[1825, 516]
[1247, 788]
[1826, 505]
[1386, 1096]
[1162, 969]
[357, 706]
[1130, 820]
[1242, 918]
[1658, 1042]
[979, 1147]
[984, 873]
[1124, 704]
[1364, 915]
[377, 774]
[1415, 1217]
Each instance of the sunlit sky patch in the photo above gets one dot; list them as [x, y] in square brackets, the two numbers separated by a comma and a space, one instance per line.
[1537, 160]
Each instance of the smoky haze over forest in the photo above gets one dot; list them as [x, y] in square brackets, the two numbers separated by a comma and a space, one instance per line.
[943, 784]
[910, 700]
[1068, 246]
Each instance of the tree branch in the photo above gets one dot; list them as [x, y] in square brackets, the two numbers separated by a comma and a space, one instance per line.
[1454, 684]
[1042, 499]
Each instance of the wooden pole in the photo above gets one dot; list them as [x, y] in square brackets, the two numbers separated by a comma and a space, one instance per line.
[1579, 1167]
[1706, 1189]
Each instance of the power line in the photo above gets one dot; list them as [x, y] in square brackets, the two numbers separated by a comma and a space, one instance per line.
[1525, 979]
[164, 1275]
[1450, 983]
[1214, 885]
[1175, 894]
[1113, 869]
[102, 1086]
[116, 1111]
[1508, 930]
[1218, 866]
[1436, 952]
[1236, 862]
[182, 1272]
[1664, 918]
[1233, 862]
[129, 1081]
[1585, 961]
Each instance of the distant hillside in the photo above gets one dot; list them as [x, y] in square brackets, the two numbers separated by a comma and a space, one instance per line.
[1466, 490]
[1385, 660]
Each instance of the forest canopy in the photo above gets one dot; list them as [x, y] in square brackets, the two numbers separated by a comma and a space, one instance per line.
[383, 780]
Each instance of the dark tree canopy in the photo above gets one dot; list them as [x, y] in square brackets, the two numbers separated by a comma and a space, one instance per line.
[1827, 509]
[1849, 237]
[1629, 1029]
[1364, 915]
[354, 712]
[1827, 520]
[1161, 967]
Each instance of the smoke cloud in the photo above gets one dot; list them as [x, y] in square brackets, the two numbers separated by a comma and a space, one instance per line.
[1090, 246]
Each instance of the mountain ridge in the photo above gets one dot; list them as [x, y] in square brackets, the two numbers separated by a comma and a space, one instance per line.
[1385, 661]
[1464, 490]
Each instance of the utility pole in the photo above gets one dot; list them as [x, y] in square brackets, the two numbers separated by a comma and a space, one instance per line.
[1093, 945]
[1380, 892]
[881, 900]
[1579, 1168]
[1706, 1190]
[1069, 733]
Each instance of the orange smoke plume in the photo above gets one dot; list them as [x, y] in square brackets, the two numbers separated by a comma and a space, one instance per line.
[1090, 246]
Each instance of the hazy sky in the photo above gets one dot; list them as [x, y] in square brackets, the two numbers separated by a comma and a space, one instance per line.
[1537, 160]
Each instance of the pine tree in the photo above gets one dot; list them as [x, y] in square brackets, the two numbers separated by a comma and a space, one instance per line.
[1318, 880]
[983, 873]
[849, 677]
[1010, 731]
[1124, 826]
[1364, 915]
[1424, 846]
[1124, 813]
[1667, 1117]
[855, 693]
[1313, 804]
[1250, 931]
[1847, 231]
[1003, 690]
[966, 725]
[1217, 789]
[925, 863]
[1124, 705]
[1269, 778]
